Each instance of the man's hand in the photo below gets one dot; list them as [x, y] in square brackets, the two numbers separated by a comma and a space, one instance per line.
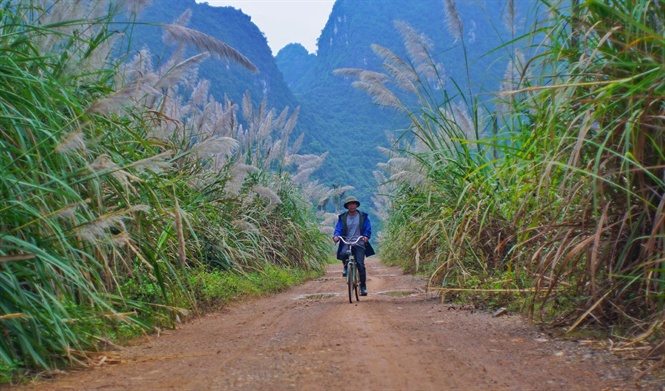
[335, 239]
[366, 239]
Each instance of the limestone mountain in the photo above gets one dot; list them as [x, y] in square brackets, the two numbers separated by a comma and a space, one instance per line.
[334, 116]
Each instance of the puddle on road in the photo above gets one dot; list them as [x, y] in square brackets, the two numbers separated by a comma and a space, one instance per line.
[403, 293]
[316, 296]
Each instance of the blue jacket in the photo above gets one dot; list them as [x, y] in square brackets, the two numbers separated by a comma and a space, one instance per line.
[365, 230]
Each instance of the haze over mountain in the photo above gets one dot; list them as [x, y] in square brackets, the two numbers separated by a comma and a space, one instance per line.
[336, 117]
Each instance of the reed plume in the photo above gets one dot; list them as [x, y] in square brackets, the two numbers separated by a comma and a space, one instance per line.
[418, 46]
[181, 34]
[126, 96]
[134, 7]
[75, 142]
[268, 194]
[510, 17]
[174, 75]
[453, 19]
[215, 146]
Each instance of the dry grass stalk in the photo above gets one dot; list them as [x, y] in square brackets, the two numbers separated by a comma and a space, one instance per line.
[17, 257]
[15, 316]
[180, 232]
[531, 290]
[589, 311]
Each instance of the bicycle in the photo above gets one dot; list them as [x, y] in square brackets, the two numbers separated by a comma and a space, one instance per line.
[352, 274]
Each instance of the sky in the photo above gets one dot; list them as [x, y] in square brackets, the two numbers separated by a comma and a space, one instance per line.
[284, 21]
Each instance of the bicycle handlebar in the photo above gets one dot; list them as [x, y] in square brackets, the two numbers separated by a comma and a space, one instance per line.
[350, 243]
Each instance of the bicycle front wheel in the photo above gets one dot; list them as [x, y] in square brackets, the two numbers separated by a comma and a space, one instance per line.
[350, 279]
[356, 283]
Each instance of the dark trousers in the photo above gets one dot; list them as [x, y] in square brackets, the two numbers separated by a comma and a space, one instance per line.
[359, 255]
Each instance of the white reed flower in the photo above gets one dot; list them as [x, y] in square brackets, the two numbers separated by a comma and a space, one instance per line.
[510, 16]
[156, 164]
[184, 18]
[379, 93]
[268, 194]
[337, 191]
[316, 192]
[121, 240]
[464, 121]
[280, 121]
[68, 212]
[407, 170]
[215, 146]
[302, 175]
[454, 22]
[134, 7]
[418, 46]
[138, 208]
[403, 79]
[102, 163]
[125, 96]
[175, 74]
[245, 226]
[139, 65]
[200, 94]
[296, 145]
[329, 219]
[265, 127]
[98, 229]
[73, 142]
[207, 43]
[238, 175]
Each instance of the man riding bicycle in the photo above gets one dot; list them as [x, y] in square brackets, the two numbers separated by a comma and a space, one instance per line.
[351, 225]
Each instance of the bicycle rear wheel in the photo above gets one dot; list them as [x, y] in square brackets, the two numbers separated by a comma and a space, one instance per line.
[350, 278]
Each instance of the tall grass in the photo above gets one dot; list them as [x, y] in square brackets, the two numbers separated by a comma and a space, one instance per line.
[121, 181]
[556, 188]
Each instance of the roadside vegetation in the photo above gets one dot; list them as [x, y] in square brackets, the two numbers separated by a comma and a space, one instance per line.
[549, 198]
[130, 199]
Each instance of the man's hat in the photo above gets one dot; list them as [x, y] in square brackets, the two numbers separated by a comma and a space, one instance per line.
[349, 200]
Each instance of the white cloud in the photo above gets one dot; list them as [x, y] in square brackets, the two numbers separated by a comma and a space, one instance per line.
[284, 21]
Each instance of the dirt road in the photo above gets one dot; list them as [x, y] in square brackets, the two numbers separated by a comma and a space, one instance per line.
[311, 338]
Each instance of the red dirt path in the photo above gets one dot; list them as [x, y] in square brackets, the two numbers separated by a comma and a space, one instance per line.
[296, 341]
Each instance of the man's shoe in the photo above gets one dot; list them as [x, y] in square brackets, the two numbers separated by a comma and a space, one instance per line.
[344, 272]
[363, 292]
